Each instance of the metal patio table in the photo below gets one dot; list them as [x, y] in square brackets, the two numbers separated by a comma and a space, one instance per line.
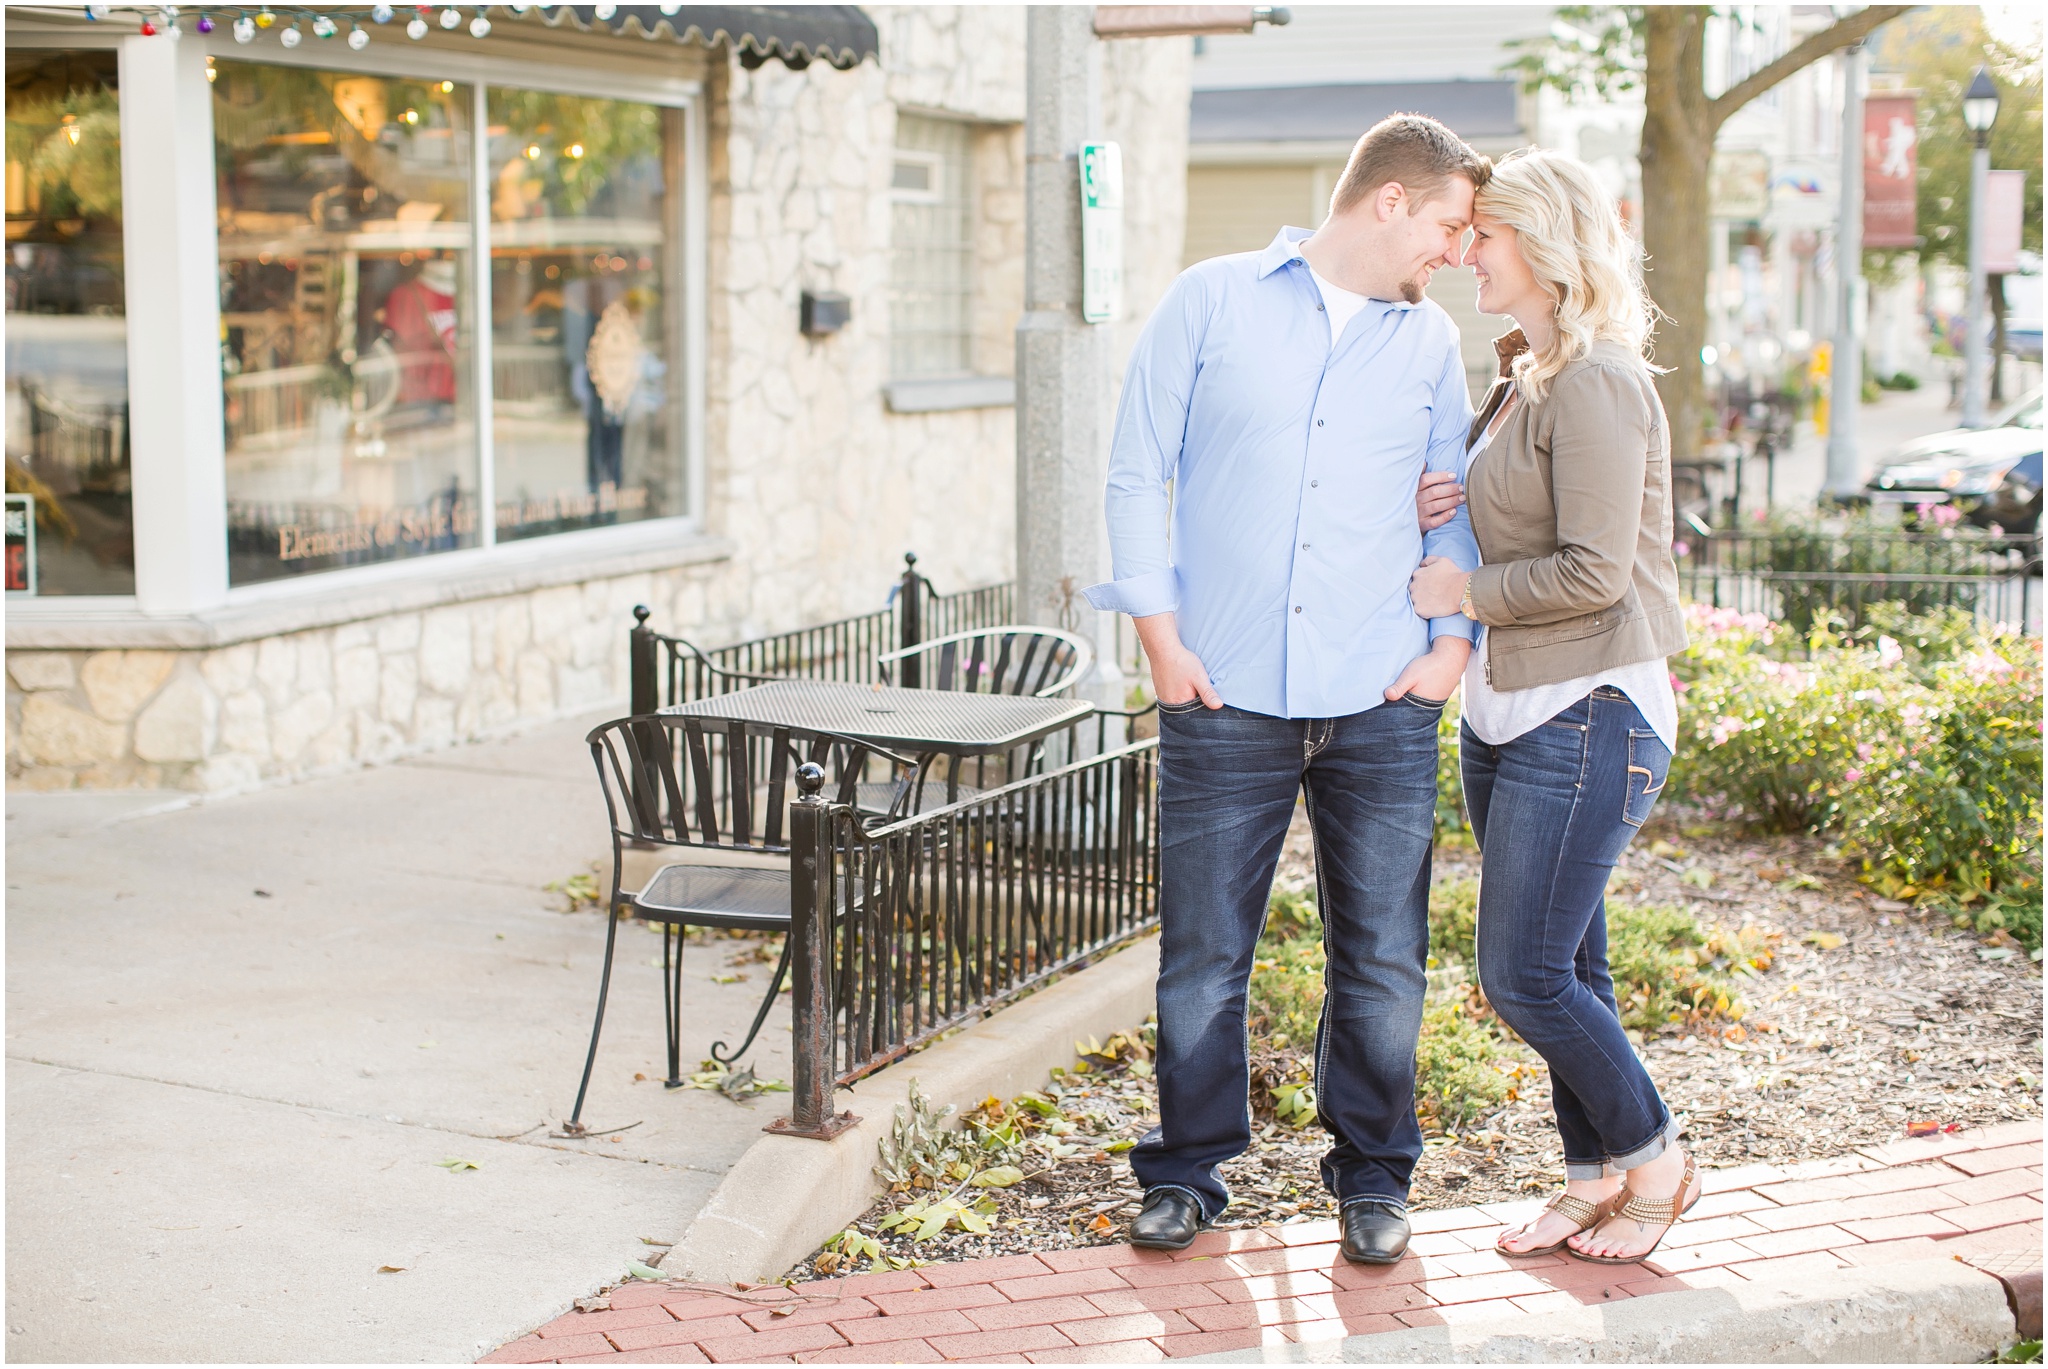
[927, 721]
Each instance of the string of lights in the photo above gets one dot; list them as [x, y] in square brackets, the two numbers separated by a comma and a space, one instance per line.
[291, 24]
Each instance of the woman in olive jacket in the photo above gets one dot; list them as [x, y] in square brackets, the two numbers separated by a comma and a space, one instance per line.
[1569, 715]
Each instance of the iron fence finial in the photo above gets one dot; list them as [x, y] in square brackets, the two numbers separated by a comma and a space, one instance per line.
[810, 781]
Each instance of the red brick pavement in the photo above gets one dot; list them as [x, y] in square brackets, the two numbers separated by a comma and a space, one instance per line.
[1973, 1195]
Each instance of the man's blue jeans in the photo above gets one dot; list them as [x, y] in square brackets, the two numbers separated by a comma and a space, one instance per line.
[1553, 810]
[1228, 782]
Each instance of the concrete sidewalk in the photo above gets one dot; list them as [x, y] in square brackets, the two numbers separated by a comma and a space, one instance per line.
[226, 1107]
[1798, 1236]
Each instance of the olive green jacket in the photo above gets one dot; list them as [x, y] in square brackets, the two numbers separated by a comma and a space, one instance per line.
[1571, 503]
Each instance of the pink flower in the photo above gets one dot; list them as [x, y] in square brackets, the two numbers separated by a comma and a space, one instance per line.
[1888, 653]
[1864, 750]
[1852, 775]
[1726, 726]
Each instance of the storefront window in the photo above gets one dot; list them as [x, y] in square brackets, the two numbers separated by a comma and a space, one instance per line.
[67, 331]
[347, 318]
[584, 409]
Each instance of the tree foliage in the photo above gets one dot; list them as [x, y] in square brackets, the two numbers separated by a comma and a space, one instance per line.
[1937, 50]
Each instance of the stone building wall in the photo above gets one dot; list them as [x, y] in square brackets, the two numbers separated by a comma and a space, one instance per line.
[286, 706]
[814, 489]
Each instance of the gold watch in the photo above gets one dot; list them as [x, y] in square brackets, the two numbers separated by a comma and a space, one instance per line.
[1465, 601]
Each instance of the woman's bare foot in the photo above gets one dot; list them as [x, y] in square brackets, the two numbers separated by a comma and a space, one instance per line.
[1624, 1238]
[1549, 1227]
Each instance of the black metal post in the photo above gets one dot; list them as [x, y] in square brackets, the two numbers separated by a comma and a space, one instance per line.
[644, 695]
[814, 1061]
[910, 620]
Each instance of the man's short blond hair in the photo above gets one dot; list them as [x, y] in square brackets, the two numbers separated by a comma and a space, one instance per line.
[1414, 150]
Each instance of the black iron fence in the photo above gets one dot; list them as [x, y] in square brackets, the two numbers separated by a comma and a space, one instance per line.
[1801, 577]
[671, 670]
[904, 931]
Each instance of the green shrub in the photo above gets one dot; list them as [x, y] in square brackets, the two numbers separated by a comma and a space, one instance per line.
[1662, 961]
[1457, 1061]
[1453, 919]
[1917, 741]
[1452, 829]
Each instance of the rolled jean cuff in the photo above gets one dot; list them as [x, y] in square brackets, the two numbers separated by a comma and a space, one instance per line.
[1578, 1171]
[1652, 1148]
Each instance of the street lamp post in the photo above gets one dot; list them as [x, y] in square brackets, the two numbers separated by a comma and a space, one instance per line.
[1844, 466]
[1980, 110]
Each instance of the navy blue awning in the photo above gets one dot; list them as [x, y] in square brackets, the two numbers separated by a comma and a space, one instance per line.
[795, 35]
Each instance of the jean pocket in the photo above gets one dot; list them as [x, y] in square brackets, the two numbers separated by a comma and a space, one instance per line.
[1649, 763]
[1189, 707]
[1433, 705]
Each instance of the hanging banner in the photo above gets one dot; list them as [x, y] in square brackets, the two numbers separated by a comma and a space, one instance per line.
[1891, 148]
[21, 544]
[2005, 195]
[1102, 232]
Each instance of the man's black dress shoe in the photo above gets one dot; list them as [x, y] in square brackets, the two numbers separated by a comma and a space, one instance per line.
[1374, 1232]
[1170, 1220]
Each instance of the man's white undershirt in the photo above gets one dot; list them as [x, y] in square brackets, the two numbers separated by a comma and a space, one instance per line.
[1342, 305]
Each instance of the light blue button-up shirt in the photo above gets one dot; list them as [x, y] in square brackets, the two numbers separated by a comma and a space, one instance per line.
[1286, 542]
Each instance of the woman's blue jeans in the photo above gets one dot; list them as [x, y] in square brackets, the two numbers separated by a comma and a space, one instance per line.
[1228, 783]
[1553, 810]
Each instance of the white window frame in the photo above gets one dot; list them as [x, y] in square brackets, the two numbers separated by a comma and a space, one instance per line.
[935, 184]
[178, 443]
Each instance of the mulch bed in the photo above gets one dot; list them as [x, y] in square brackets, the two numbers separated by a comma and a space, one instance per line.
[1874, 1015]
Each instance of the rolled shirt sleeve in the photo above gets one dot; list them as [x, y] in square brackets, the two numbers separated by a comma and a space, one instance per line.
[1450, 422]
[1145, 452]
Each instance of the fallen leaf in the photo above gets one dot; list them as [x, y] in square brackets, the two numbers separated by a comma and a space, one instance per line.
[641, 1271]
[455, 1164]
[1826, 941]
[998, 1176]
[390, 1269]
[1101, 1223]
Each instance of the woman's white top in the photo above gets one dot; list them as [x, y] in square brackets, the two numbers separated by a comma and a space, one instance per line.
[1497, 717]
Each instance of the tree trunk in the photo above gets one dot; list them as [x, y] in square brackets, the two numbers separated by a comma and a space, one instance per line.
[1678, 143]
[1994, 287]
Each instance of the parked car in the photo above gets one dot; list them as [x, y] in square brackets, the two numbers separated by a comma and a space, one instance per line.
[1992, 474]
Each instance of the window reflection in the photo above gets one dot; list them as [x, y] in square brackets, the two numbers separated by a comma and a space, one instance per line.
[583, 374]
[347, 317]
[67, 331]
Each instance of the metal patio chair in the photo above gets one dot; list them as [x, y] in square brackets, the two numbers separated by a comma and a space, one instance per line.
[702, 787]
[1010, 659]
[1015, 659]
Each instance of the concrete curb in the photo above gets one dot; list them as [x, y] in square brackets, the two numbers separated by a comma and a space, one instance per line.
[1922, 1312]
[785, 1196]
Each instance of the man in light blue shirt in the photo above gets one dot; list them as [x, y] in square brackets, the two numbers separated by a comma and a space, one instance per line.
[1278, 413]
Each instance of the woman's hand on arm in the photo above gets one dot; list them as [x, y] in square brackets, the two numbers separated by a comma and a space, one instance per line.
[1437, 499]
[1437, 588]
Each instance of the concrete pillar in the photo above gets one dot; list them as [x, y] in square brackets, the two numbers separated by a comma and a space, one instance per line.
[1062, 362]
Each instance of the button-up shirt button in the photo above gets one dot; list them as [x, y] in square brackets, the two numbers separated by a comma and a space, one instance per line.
[1304, 546]
[1319, 423]
[1297, 608]
[1313, 483]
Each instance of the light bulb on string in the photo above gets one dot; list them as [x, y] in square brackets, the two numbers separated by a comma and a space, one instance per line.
[245, 30]
[72, 132]
[148, 29]
[205, 25]
[604, 12]
[450, 18]
[172, 31]
[416, 29]
[95, 12]
[323, 27]
[357, 39]
[479, 26]
[380, 14]
[669, 8]
[290, 37]
[264, 19]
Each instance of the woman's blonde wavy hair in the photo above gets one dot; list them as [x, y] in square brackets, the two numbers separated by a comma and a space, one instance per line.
[1569, 231]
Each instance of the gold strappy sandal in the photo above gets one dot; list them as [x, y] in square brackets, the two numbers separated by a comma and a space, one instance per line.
[1574, 1209]
[1663, 1212]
